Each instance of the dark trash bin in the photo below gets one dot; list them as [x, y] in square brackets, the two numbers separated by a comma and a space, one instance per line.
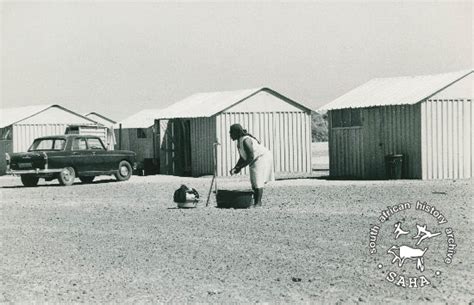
[150, 167]
[393, 166]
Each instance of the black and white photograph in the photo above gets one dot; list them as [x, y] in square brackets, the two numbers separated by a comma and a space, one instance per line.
[236, 152]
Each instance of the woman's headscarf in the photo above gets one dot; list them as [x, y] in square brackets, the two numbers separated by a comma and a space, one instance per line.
[240, 131]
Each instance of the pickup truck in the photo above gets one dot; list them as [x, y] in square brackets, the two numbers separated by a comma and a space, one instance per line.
[66, 157]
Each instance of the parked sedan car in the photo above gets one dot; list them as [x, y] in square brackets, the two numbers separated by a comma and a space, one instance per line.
[66, 157]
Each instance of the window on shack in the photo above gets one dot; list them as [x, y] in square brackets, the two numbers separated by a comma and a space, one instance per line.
[72, 130]
[346, 118]
[141, 133]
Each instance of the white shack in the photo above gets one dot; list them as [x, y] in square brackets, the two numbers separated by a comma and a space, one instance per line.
[137, 133]
[109, 123]
[20, 126]
[428, 119]
[190, 128]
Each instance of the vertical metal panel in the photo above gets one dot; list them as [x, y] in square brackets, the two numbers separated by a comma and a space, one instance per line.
[344, 153]
[416, 134]
[447, 139]
[276, 141]
[471, 128]
[424, 141]
[24, 134]
[331, 147]
[203, 136]
[307, 139]
[467, 140]
[372, 134]
[444, 137]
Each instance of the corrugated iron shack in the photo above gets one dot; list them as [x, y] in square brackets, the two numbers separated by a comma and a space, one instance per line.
[190, 127]
[428, 119]
[138, 133]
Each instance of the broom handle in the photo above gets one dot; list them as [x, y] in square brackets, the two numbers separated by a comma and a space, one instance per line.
[210, 190]
[214, 181]
[215, 166]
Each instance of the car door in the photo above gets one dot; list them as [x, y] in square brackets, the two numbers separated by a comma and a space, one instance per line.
[98, 159]
[80, 155]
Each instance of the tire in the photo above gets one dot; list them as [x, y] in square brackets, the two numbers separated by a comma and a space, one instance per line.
[29, 181]
[87, 179]
[124, 171]
[67, 176]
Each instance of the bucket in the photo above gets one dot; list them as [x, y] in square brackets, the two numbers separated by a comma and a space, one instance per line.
[191, 202]
[393, 166]
[227, 199]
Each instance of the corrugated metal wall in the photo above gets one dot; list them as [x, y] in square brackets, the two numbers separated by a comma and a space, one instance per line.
[203, 135]
[97, 131]
[286, 134]
[143, 147]
[23, 135]
[392, 130]
[447, 139]
[346, 152]
[360, 151]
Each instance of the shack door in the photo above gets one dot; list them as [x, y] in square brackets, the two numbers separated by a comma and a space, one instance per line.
[175, 147]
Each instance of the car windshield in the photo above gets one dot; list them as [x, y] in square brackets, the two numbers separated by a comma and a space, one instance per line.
[48, 144]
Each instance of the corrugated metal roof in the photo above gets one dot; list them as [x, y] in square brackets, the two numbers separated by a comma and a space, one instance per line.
[10, 116]
[211, 103]
[142, 119]
[396, 90]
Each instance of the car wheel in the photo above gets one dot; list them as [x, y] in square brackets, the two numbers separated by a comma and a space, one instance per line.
[29, 180]
[67, 176]
[124, 171]
[87, 179]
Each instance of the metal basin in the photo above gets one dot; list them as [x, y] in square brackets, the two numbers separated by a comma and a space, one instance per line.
[230, 199]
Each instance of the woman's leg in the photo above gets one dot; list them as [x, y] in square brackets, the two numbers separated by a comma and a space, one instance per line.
[257, 197]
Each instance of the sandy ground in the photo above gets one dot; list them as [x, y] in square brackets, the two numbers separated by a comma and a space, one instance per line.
[125, 242]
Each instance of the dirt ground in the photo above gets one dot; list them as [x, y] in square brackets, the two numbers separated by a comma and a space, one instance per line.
[126, 242]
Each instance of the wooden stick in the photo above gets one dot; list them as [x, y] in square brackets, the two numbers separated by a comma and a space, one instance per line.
[213, 182]
[210, 190]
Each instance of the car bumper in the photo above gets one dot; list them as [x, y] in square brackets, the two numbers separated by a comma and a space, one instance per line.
[16, 172]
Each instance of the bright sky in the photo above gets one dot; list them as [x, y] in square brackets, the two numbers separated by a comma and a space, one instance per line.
[119, 58]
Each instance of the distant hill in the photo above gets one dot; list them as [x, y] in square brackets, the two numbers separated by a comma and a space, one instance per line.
[319, 127]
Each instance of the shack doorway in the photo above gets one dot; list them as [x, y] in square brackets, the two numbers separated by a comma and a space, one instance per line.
[175, 147]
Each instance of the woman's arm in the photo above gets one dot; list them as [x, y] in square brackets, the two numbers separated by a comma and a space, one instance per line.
[248, 147]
